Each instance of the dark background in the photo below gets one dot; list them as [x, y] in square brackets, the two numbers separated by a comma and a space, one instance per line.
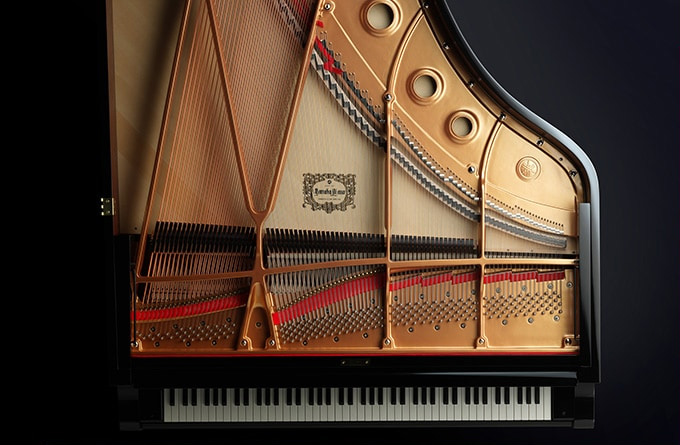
[606, 74]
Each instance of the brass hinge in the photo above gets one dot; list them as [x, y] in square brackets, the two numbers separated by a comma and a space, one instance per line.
[107, 206]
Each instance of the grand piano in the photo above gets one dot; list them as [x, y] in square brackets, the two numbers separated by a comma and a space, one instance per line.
[329, 213]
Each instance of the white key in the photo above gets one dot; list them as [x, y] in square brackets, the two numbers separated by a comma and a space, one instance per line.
[547, 403]
[346, 407]
[458, 408]
[440, 408]
[309, 412]
[421, 407]
[473, 406]
[233, 409]
[201, 409]
[376, 407]
[354, 408]
[428, 406]
[257, 409]
[412, 409]
[450, 408]
[465, 406]
[386, 403]
[479, 415]
[323, 412]
[495, 407]
[525, 405]
[489, 402]
[398, 407]
[532, 407]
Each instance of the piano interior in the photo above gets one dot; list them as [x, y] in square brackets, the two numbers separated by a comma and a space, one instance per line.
[308, 177]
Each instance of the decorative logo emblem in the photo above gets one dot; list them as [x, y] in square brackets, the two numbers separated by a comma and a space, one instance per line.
[528, 168]
[328, 191]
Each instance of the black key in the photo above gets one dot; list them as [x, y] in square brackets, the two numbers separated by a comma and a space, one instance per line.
[289, 396]
[393, 396]
[433, 395]
[206, 397]
[246, 397]
[371, 397]
[475, 392]
[537, 394]
[467, 395]
[454, 395]
[485, 396]
[402, 396]
[528, 395]
[298, 396]
[363, 396]
[341, 396]
[215, 396]
[380, 396]
[268, 396]
[328, 396]
[310, 396]
[350, 396]
[498, 395]
[224, 396]
[194, 397]
[445, 395]
[519, 395]
[415, 396]
[185, 397]
[276, 396]
[319, 396]
[171, 397]
[506, 395]
[237, 397]
[258, 396]
[423, 396]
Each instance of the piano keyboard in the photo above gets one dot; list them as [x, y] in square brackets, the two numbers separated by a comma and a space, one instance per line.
[422, 404]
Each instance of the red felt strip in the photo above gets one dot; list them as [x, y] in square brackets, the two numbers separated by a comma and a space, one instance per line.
[193, 309]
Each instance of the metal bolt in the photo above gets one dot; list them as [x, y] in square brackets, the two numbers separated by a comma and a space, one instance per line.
[387, 97]
[472, 169]
[462, 325]
[504, 322]
[539, 142]
[244, 342]
[446, 46]
[214, 342]
[387, 341]
[336, 339]
[436, 327]
[134, 344]
[572, 173]
[304, 343]
[471, 83]
[530, 320]
[550, 286]
[570, 284]
[481, 341]
[365, 335]
[258, 324]
[556, 318]
[567, 341]
[188, 343]
[327, 6]
[272, 342]
[503, 116]
[157, 344]
[410, 329]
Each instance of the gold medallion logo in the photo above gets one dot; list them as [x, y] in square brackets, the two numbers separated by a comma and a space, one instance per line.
[528, 168]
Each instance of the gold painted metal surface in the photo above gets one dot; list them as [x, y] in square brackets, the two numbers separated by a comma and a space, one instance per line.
[323, 185]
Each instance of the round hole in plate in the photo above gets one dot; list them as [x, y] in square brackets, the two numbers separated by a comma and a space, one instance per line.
[380, 16]
[425, 86]
[461, 126]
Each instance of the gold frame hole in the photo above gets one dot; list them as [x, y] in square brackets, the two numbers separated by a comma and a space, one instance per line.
[380, 16]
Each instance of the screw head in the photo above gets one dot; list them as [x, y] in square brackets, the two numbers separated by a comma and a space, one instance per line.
[436, 327]
[387, 97]
[530, 320]
[570, 284]
[472, 169]
[387, 341]
[481, 341]
[462, 325]
[327, 6]
[567, 341]
[272, 342]
[504, 322]
[556, 318]
[244, 342]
